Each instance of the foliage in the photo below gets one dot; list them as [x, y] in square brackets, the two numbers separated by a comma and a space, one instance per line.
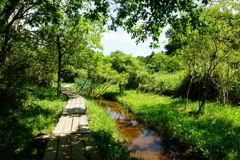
[146, 18]
[34, 35]
[19, 125]
[211, 55]
[160, 62]
[212, 135]
[95, 72]
[31, 34]
[69, 73]
[130, 71]
[164, 83]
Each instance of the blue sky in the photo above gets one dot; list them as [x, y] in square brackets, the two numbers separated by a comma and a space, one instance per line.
[122, 41]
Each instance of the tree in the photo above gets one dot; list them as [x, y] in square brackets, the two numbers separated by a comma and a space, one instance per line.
[146, 18]
[71, 39]
[206, 53]
[130, 71]
[163, 62]
[30, 15]
[96, 72]
[21, 21]
[153, 15]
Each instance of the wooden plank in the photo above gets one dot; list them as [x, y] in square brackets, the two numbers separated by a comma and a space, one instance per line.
[78, 148]
[64, 89]
[74, 105]
[83, 120]
[51, 149]
[76, 124]
[76, 108]
[91, 148]
[60, 125]
[68, 125]
[68, 106]
[72, 146]
[64, 147]
[72, 108]
[65, 109]
[82, 100]
[78, 100]
[84, 128]
[74, 100]
[82, 106]
[70, 101]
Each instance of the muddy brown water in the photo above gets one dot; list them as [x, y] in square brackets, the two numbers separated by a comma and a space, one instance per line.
[142, 142]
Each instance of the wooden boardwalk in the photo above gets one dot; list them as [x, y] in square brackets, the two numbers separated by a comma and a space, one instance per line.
[71, 139]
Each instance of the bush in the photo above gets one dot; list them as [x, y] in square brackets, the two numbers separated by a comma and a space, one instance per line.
[165, 83]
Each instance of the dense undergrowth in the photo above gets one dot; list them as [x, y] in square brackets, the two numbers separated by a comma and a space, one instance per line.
[20, 124]
[104, 130]
[213, 134]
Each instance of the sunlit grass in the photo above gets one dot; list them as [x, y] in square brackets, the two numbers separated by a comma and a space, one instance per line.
[42, 115]
[214, 134]
[105, 132]
[101, 121]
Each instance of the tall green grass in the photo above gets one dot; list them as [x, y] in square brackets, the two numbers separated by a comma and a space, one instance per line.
[101, 121]
[37, 116]
[215, 134]
[105, 131]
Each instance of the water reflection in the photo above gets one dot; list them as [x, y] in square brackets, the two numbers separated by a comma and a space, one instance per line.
[143, 143]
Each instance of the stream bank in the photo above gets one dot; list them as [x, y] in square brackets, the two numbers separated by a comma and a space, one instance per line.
[142, 141]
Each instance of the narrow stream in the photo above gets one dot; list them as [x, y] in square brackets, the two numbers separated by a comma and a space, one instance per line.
[143, 143]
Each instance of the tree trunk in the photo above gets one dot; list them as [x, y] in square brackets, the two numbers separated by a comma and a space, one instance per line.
[205, 93]
[189, 87]
[59, 66]
[121, 88]
[201, 106]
